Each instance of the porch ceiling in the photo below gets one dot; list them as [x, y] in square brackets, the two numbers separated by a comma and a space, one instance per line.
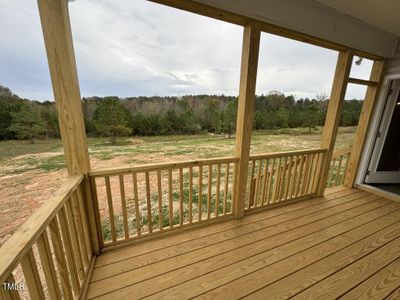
[384, 14]
[367, 25]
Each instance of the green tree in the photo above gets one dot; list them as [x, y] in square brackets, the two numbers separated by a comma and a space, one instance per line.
[310, 117]
[110, 118]
[27, 123]
[229, 115]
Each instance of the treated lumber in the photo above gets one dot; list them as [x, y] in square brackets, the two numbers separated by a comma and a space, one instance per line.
[378, 286]
[267, 231]
[351, 276]
[101, 172]
[244, 125]
[31, 275]
[57, 35]
[369, 104]
[222, 276]
[193, 235]
[332, 120]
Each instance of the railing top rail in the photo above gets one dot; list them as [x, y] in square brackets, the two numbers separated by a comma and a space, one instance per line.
[23, 239]
[286, 154]
[342, 151]
[160, 166]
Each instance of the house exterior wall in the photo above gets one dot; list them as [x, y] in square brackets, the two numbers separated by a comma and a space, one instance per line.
[394, 62]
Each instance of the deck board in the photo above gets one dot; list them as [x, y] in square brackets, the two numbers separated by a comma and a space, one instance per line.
[301, 249]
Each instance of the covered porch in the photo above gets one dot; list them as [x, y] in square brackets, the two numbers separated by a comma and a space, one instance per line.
[232, 227]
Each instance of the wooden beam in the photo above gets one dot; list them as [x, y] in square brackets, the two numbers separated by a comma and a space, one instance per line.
[362, 81]
[370, 100]
[248, 77]
[61, 58]
[336, 100]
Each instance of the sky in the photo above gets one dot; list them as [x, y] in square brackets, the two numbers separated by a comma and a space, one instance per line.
[139, 48]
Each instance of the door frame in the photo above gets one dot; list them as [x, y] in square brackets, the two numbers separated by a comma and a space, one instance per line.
[373, 175]
[374, 128]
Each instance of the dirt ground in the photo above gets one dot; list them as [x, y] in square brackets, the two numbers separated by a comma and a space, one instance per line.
[28, 179]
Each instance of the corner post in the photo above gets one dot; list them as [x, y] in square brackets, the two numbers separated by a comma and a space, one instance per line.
[332, 120]
[57, 34]
[244, 126]
[371, 95]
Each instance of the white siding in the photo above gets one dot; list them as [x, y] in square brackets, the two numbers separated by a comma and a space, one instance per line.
[394, 62]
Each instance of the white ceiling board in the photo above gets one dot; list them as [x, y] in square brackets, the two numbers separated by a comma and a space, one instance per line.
[384, 14]
[310, 17]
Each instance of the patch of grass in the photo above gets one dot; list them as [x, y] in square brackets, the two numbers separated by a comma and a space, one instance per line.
[9, 149]
[53, 163]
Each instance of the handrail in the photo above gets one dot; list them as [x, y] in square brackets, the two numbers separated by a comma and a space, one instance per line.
[159, 166]
[288, 153]
[23, 239]
[342, 151]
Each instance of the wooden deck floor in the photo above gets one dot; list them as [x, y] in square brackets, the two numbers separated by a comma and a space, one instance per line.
[347, 245]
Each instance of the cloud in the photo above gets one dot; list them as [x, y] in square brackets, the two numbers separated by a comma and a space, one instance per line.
[132, 48]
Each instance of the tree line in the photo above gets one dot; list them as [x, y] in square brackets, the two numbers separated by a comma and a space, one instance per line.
[146, 116]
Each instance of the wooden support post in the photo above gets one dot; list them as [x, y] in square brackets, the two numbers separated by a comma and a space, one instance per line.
[60, 54]
[371, 95]
[332, 120]
[248, 76]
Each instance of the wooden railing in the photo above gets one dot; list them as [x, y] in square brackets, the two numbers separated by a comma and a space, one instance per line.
[278, 177]
[50, 256]
[141, 201]
[338, 167]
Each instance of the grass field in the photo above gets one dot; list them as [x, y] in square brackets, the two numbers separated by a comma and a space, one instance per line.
[30, 173]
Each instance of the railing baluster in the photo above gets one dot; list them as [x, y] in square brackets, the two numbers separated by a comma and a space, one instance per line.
[136, 199]
[258, 180]
[288, 177]
[282, 181]
[218, 188]
[96, 208]
[264, 182]
[226, 188]
[79, 215]
[180, 196]
[110, 209]
[60, 259]
[66, 236]
[170, 199]
[148, 200]
[209, 196]
[48, 266]
[251, 185]
[321, 157]
[160, 204]
[200, 199]
[337, 177]
[300, 176]
[190, 195]
[276, 181]
[31, 274]
[345, 166]
[271, 181]
[305, 175]
[294, 179]
[75, 241]
[311, 174]
[123, 204]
